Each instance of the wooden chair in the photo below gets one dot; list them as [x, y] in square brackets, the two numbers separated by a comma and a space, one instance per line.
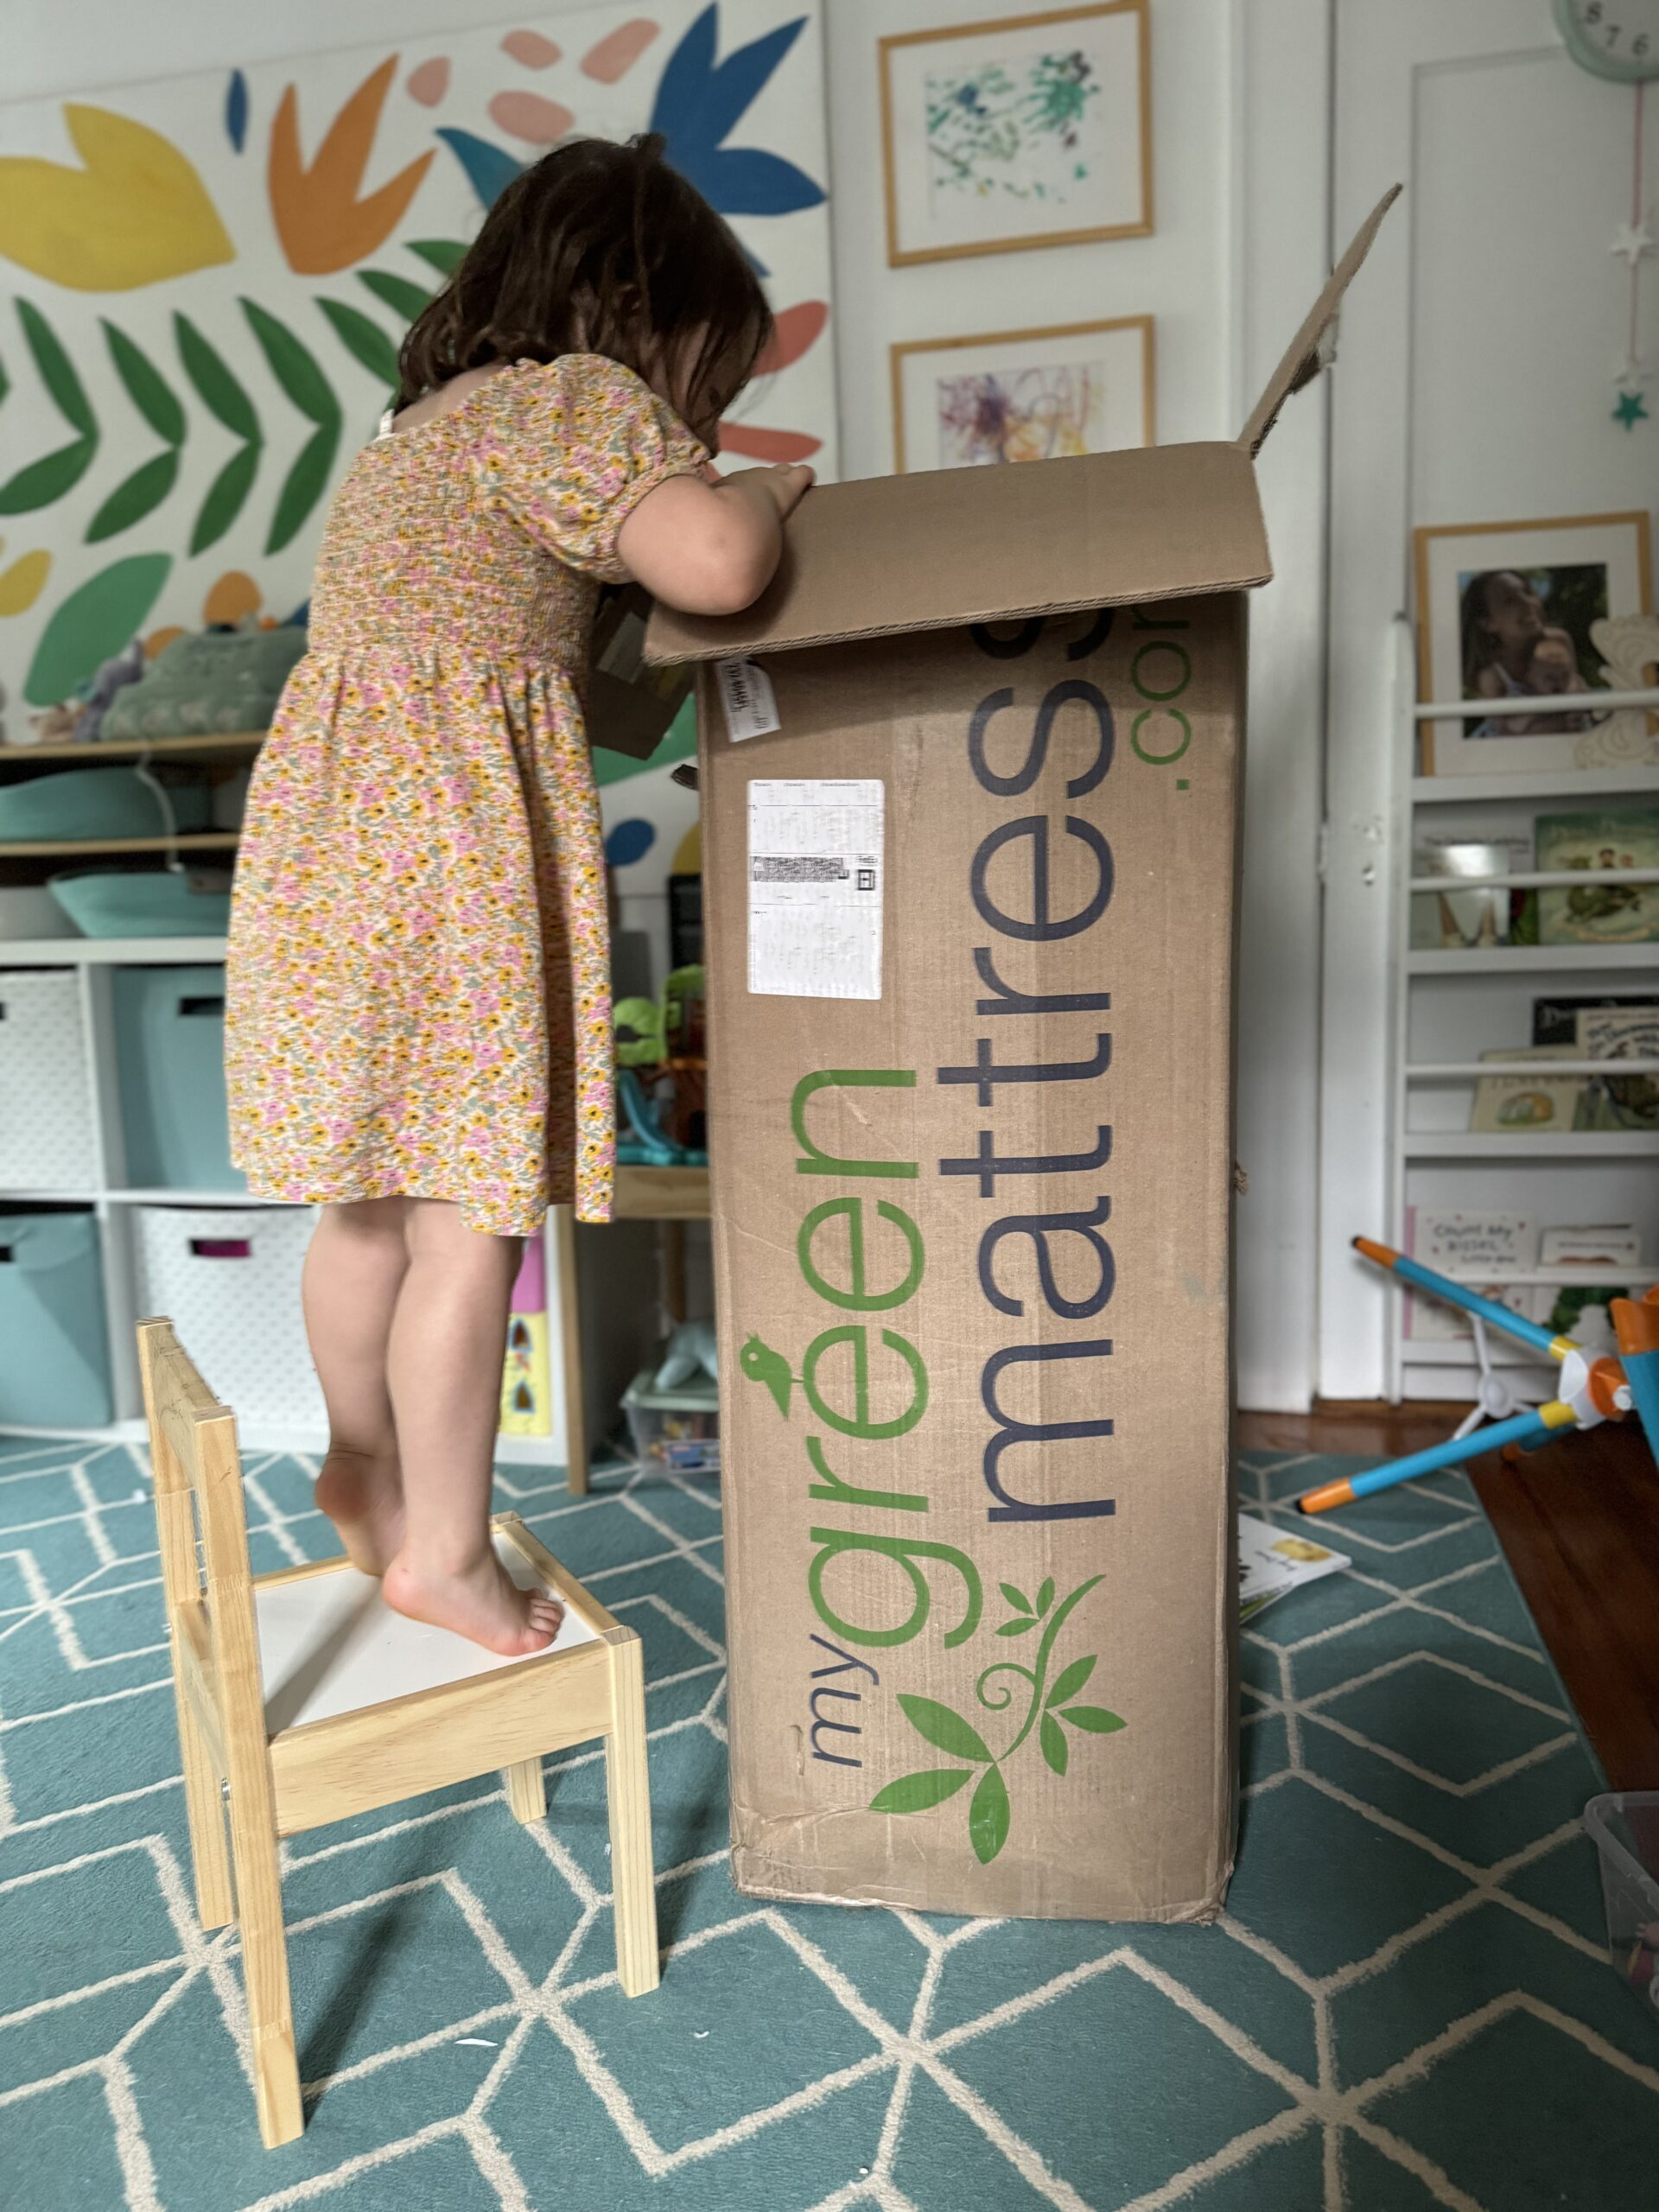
[310, 1700]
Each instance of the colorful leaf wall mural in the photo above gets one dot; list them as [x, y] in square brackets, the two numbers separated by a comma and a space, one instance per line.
[209, 278]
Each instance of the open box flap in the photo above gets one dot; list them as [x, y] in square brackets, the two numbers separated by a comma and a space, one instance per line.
[1313, 347]
[936, 550]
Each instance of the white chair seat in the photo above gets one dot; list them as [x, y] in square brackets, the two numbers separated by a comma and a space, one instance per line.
[330, 1644]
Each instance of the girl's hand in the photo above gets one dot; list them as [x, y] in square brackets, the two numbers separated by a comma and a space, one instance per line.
[785, 486]
[711, 548]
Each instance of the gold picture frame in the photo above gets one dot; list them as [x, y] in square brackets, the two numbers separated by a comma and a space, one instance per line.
[1119, 189]
[1449, 559]
[1050, 343]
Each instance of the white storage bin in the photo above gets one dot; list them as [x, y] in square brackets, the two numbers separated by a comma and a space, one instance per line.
[228, 1279]
[46, 1130]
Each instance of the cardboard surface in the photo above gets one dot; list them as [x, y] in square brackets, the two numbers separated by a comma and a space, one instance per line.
[970, 820]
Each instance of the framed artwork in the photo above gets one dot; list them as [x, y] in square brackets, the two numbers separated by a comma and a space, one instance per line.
[1030, 130]
[1023, 395]
[1523, 609]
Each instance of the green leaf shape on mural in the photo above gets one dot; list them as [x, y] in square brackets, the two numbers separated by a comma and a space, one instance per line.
[1094, 1719]
[1071, 1681]
[98, 618]
[5, 381]
[1052, 1738]
[946, 1731]
[920, 1792]
[224, 398]
[445, 255]
[136, 496]
[38, 483]
[362, 339]
[987, 1816]
[296, 369]
[148, 390]
[400, 295]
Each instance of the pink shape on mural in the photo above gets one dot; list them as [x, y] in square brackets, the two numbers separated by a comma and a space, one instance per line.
[528, 116]
[618, 51]
[794, 331]
[429, 82]
[530, 48]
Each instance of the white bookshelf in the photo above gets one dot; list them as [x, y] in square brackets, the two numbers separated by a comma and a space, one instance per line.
[1449, 1007]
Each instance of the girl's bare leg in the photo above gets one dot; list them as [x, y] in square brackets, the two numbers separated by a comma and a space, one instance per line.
[354, 1273]
[444, 1370]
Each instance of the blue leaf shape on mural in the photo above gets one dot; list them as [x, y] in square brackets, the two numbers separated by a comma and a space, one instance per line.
[700, 101]
[490, 169]
[236, 110]
[744, 181]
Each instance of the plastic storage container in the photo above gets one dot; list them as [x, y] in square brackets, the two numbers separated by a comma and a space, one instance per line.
[676, 1428]
[105, 902]
[46, 1129]
[169, 1041]
[54, 1358]
[89, 804]
[1624, 1828]
[228, 1278]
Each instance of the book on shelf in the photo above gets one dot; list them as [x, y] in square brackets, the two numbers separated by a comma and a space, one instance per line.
[1555, 1021]
[1457, 919]
[1613, 1033]
[1460, 1242]
[1579, 1310]
[1272, 1561]
[1599, 913]
[1531, 1105]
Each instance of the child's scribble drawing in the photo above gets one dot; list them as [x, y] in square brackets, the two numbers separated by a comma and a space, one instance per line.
[999, 415]
[1025, 129]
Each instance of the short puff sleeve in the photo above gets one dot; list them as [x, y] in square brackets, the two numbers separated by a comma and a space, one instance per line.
[572, 448]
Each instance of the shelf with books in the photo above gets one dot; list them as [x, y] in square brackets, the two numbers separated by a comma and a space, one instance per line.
[1553, 1144]
[1583, 783]
[112, 952]
[1559, 880]
[1496, 959]
[1462, 1071]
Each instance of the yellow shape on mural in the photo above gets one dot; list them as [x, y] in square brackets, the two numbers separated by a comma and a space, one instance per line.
[689, 859]
[136, 213]
[231, 597]
[321, 222]
[23, 581]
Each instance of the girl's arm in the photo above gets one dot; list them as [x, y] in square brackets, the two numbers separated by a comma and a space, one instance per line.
[711, 548]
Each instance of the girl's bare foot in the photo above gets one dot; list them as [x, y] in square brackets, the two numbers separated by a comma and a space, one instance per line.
[481, 1602]
[362, 1493]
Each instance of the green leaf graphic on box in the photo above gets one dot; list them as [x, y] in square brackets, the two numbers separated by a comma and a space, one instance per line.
[1016, 1627]
[1017, 1599]
[136, 496]
[1051, 1736]
[38, 483]
[99, 619]
[1071, 1681]
[1045, 1597]
[920, 1792]
[1094, 1718]
[948, 1731]
[363, 338]
[759, 1363]
[989, 1816]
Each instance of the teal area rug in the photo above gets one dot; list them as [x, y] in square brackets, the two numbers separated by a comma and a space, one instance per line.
[1405, 2005]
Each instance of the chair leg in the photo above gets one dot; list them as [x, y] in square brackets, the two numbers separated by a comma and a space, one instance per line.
[633, 1882]
[204, 1809]
[526, 1791]
[265, 1973]
[575, 1407]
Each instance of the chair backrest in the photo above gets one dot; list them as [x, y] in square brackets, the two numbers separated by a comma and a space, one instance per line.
[199, 1480]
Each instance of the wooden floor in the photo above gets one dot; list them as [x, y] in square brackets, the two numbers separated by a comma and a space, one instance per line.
[1580, 1523]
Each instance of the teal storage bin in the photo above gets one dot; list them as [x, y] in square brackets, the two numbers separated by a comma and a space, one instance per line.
[54, 1358]
[101, 902]
[95, 803]
[169, 1058]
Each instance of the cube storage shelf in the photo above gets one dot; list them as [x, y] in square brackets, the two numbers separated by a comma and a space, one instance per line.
[103, 1039]
[1448, 1006]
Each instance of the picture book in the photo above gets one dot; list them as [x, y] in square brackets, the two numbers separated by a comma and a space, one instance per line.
[1622, 1102]
[1620, 839]
[1579, 1310]
[1555, 1021]
[1461, 1242]
[1459, 919]
[1272, 1561]
[1531, 1105]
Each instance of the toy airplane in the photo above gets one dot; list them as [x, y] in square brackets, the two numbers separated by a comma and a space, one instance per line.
[1593, 1389]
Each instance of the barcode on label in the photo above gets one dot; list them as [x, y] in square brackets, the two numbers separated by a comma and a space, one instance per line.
[772, 868]
[747, 695]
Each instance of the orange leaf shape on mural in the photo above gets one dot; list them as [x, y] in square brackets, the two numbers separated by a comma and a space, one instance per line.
[774, 446]
[794, 331]
[322, 224]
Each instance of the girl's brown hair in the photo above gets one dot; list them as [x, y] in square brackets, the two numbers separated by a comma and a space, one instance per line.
[596, 249]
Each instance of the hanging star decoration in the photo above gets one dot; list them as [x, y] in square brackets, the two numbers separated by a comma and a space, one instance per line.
[1630, 409]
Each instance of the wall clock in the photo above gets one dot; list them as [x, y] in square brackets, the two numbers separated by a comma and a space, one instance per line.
[1612, 38]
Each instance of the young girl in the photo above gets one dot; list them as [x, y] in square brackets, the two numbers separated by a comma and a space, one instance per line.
[418, 1029]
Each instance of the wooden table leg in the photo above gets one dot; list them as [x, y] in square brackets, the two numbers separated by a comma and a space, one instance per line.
[575, 1404]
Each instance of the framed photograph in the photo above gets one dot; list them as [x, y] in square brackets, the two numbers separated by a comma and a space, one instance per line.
[1031, 130]
[1022, 394]
[1504, 610]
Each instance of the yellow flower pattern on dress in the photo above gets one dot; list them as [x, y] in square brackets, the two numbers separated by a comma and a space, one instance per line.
[418, 997]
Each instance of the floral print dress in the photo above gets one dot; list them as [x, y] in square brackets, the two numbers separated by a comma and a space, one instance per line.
[418, 988]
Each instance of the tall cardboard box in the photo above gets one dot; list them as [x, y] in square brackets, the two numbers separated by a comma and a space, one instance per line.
[970, 777]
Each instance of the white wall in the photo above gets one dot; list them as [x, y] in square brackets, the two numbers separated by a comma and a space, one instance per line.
[1240, 248]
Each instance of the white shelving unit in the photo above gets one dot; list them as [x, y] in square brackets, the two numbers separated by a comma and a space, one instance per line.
[111, 1198]
[1450, 1007]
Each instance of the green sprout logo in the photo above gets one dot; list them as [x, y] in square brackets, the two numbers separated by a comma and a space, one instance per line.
[761, 1364]
[989, 1809]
